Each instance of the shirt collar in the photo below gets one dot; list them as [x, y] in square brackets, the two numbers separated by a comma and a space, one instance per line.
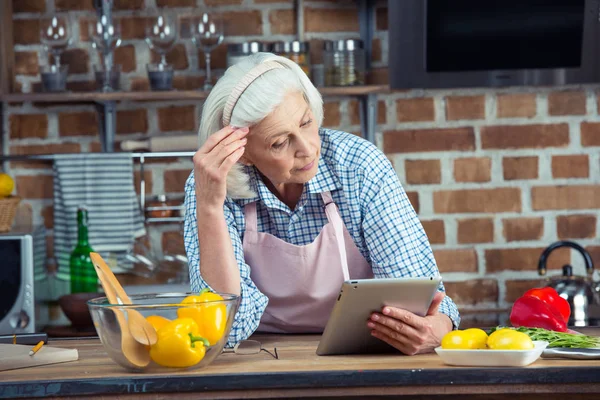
[324, 181]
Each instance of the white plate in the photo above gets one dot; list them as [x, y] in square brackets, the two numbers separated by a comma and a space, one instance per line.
[492, 358]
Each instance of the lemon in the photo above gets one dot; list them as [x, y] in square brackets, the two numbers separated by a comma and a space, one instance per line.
[509, 339]
[479, 336]
[7, 184]
[458, 340]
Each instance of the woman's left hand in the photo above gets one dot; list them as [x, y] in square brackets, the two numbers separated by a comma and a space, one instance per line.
[408, 332]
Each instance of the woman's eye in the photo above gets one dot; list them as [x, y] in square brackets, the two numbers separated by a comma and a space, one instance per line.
[279, 145]
[306, 123]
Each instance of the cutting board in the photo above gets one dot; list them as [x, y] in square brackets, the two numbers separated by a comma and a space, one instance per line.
[14, 356]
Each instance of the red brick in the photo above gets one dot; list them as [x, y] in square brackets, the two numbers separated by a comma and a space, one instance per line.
[566, 103]
[523, 259]
[186, 82]
[423, 171]
[129, 4]
[524, 136]
[435, 231]
[238, 23]
[181, 118]
[283, 22]
[475, 230]
[81, 86]
[26, 31]
[172, 243]
[66, 5]
[465, 107]
[331, 20]
[29, 6]
[571, 166]
[516, 289]
[132, 121]
[176, 3]
[221, 2]
[516, 105]
[520, 168]
[218, 59]
[378, 76]
[48, 217]
[24, 126]
[78, 123]
[473, 292]
[125, 57]
[413, 197]
[473, 169]
[459, 260]
[517, 229]
[381, 15]
[132, 27]
[26, 63]
[35, 187]
[576, 226]
[594, 253]
[574, 197]
[331, 112]
[50, 148]
[412, 110]
[147, 181]
[590, 134]
[177, 57]
[421, 140]
[477, 200]
[376, 50]
[175, 180]
[77, 59]
[354, 111]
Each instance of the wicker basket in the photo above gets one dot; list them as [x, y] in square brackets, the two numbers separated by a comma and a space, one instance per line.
[8, 209]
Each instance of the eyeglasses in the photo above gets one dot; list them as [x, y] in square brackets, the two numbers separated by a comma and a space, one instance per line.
[246, 347]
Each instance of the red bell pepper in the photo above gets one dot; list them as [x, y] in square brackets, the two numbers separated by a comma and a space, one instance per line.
[531, 312]
[551, 297]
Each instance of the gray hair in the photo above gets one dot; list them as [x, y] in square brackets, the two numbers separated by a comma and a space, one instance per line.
[257, 102]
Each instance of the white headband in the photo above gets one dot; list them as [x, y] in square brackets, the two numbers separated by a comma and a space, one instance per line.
[243, 84]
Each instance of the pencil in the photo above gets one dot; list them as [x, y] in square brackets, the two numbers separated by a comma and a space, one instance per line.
[36, 348]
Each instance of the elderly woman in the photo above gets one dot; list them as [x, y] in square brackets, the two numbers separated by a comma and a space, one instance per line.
[282, 211]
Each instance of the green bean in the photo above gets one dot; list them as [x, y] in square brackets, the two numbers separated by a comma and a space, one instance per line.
[556, 339]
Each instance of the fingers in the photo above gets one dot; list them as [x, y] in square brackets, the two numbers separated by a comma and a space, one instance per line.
[392, 316]
[230, 160]
[227, 150]
[216, 138]
[435, 303]
[395, 340]
[398, 326]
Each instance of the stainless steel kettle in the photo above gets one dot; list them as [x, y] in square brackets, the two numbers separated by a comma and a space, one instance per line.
[582, 293]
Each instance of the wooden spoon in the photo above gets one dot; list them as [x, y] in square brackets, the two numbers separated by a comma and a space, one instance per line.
[136, 353]
[139, 327]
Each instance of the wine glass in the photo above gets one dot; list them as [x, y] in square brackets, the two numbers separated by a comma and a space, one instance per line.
[106, 36]
[55, 36]
[161, 34]
[207, 34]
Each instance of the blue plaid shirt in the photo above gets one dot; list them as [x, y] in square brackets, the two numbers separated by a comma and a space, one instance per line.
[372, 204]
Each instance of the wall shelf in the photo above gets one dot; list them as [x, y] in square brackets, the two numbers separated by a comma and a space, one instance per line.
[172, 95]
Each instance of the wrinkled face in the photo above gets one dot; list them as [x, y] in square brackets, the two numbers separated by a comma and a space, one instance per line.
[285, 146]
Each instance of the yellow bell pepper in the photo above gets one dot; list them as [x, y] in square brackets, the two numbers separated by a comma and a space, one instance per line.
[157, 321]
[211, 318]
[179, 344]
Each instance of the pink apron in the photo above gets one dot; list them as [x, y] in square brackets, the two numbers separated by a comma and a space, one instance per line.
[302, 282]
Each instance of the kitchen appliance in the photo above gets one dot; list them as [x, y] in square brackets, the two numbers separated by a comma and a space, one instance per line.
[24, 285]
[474, 43]
[582, 293]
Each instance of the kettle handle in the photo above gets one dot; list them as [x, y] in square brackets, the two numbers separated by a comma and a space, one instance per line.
[589, 264]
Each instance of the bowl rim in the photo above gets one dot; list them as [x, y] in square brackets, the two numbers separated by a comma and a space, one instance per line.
[102, 302]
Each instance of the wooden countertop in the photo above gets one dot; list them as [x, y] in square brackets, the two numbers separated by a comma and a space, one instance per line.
[299, 372]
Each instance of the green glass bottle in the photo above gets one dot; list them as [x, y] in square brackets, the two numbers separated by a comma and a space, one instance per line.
[83, 275]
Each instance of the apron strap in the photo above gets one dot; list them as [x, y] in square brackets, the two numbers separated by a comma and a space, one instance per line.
[338, 225]
[250, 217]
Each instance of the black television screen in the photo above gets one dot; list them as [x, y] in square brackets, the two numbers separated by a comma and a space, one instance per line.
[513, 34]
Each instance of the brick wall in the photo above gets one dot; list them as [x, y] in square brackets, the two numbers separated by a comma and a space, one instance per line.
[496, 175]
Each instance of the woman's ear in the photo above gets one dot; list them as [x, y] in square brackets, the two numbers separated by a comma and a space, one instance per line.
[244, 160]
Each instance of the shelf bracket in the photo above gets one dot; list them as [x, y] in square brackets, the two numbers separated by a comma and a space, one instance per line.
[368, 116]
[107, 112]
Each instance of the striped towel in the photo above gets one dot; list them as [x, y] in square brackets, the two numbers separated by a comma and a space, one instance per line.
[103, 182]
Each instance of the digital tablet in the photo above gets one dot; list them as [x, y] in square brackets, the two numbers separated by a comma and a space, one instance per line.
[347, 332]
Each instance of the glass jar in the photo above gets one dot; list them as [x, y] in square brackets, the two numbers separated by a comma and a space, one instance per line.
[159, 208]
[237, 51]
[296, 51]
[344, 62]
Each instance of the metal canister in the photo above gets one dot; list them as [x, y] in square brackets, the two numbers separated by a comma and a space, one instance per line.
[296, 51]
[237, 51]
[344, 62]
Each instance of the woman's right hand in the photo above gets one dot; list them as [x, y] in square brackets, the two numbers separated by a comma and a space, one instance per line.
[212, 163]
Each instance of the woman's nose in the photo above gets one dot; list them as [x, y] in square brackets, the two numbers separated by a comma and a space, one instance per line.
[303, 147]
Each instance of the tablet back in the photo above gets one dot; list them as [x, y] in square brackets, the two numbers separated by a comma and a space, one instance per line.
[347, 332]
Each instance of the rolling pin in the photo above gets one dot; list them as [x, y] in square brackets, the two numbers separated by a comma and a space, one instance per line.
[166, 143]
